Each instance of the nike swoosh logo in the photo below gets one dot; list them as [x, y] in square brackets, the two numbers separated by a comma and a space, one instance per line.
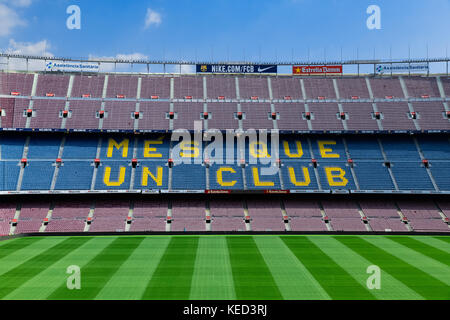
[262, 70]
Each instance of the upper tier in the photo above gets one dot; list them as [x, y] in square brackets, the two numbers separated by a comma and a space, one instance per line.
[152, 102]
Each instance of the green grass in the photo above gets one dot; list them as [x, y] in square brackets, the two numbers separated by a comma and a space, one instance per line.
[214, 267]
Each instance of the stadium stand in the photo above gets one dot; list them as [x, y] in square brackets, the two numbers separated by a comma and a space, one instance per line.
[32, 215]
[188, 215]
[88, 86]
[68, 216]
[304, 215]
[121, 87]
[7, 212]
[382, 215]
[110, 216]
[221, 88]
[343, 215]
[40, 161]
[328, 102]
[111, 133]
[149, 215]
[227, 215]
[265, 216]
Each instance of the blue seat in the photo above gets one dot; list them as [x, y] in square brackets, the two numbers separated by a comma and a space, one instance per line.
[411, 176]
[160, 173]
[366, 148]
[12, 147]
[337, 148]
[373, 176]
[80, 147]
[435, 148]
[116, 181]
[333, 179]
[291, 148]
[441, 174]
[157, 147]
[75, 175]
[188, 177]
[298, 175]
[121, 148]
[258, 178]
[43, 147]
[231, 176]
[400, 148]
[9, 173]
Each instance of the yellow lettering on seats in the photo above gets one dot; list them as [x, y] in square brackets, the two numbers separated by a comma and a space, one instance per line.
[259, 183]
[257, 152]
[336, 176]
[148, 149]
[299, 153]
[158, 179]
[113, 144]
[219, 175]
[294, 179]
[189, 146]
[107, 177]
[327, 152]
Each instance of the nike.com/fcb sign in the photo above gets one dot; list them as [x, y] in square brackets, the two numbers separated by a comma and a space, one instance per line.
[236, 68]
[316, 69]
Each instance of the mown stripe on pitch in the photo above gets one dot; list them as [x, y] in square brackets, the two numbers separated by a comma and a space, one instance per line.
[173, 277]
[15, 245]
[434, 268]
[423, 248]
[443, 238]
[294, 281]
[212, 278]
[130, 281]
[33, 249]
[42, 285]
[14, 278]
[337, 282]
[435, 242]
[252, 278]
[98, 271]
[4, 242]
[419, 281]
[356, 266]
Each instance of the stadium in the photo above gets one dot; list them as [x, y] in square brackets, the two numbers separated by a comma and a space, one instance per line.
[130, 178]
[224, 159]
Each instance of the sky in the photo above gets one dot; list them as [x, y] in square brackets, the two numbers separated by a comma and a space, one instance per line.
[227, 30]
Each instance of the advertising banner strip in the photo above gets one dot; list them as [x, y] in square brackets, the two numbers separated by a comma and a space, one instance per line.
[317, 69]
[236, 68]
[401, 67]
[72, 66]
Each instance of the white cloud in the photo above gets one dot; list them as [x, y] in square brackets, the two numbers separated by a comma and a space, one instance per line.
[110, 67]
[184, 69]
[9, 19]
[152, 18]
[29, 48]
[39, 48]
[121, 56]
[133, 56]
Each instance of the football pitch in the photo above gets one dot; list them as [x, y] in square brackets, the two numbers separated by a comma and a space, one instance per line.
[226, 267]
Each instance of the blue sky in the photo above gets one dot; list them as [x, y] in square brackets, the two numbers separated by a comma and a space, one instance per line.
[227, 30]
